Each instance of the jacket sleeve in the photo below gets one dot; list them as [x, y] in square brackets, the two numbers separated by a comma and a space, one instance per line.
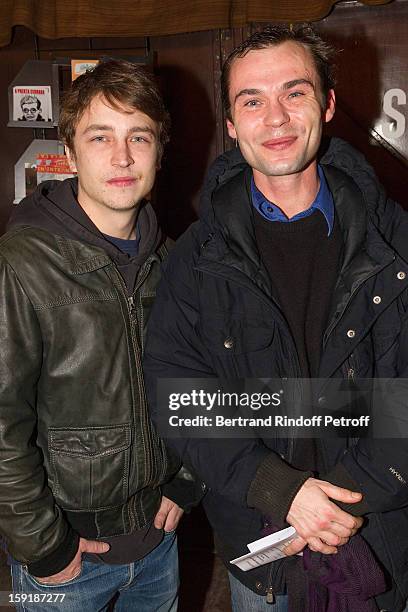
[185, 489]
[378, 470]
[173, 350]
[30, 522]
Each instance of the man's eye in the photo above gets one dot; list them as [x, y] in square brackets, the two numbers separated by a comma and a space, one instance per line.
[296, 94]
[140, 139]
[252, 103]
[99, 139]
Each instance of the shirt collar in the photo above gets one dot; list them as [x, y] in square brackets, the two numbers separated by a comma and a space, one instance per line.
[323, 202]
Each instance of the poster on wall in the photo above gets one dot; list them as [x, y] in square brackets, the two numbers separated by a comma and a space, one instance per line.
[26, 177]
[79, 67]
[52, 166]
[46, 167]
[32, 103]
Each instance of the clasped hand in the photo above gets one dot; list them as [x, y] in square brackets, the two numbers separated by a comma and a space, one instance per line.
[319, 522]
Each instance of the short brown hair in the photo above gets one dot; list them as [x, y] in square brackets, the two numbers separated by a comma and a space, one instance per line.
[322, 54]
[122, 84]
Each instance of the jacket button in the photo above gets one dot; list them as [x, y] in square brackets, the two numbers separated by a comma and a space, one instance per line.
[401, 275]
[351, 333]
[229, 343]
[258, 585]
[377, 299]
[321, 400]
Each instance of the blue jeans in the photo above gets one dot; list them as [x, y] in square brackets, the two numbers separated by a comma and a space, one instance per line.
[243, 599]
[148, 585]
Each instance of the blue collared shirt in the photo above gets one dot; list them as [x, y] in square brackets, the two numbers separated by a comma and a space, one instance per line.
[323, 202]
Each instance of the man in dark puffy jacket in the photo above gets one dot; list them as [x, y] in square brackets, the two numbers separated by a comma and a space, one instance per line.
[296, 269]
[81, 466]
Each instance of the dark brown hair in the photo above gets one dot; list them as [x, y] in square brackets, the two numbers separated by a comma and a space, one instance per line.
[322, 54]
[122, 84]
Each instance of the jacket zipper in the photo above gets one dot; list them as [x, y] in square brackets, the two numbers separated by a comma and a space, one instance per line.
[140, 281]
[131, 311]
[133, 321]
[351, 377]
[135, 313]
[131, 304]
[270, 595]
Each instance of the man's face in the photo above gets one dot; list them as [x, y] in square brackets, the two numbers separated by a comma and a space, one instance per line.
[276, 108]
[30, 111]
[115, 155]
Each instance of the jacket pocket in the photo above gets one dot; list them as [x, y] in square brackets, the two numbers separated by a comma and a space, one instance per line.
[240, 347]
[224, 335]
[90, 466]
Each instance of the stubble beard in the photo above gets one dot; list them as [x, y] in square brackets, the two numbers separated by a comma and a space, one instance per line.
[280, 168]
[122, 206]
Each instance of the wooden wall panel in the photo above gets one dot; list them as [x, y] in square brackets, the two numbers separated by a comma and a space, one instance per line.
[226, 41]
[373, 60]
[13, 142]
[185, 68]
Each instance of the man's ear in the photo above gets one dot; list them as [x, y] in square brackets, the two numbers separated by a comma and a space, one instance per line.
[329, 111]
[71, 158]
[231, 130]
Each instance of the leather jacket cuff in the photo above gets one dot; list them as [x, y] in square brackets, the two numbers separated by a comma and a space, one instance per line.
[59, 558]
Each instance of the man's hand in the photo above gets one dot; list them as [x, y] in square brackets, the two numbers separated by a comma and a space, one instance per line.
[168, 515]
[74, 568]
[319, 522]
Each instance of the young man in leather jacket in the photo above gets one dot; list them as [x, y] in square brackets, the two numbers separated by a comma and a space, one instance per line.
[81, 466]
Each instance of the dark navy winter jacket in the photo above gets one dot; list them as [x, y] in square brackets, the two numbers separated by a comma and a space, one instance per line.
[216, 287]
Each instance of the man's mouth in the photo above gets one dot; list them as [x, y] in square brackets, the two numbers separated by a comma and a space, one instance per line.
[279, 144]
[122, 181]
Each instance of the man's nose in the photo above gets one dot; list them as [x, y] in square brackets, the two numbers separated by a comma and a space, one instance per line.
[276, 114]
[121, 155]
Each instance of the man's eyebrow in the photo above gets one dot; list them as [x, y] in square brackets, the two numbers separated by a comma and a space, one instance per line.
[142, 128]
[99, 127]
[285, 86]
[247, 92]
[296, 82]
